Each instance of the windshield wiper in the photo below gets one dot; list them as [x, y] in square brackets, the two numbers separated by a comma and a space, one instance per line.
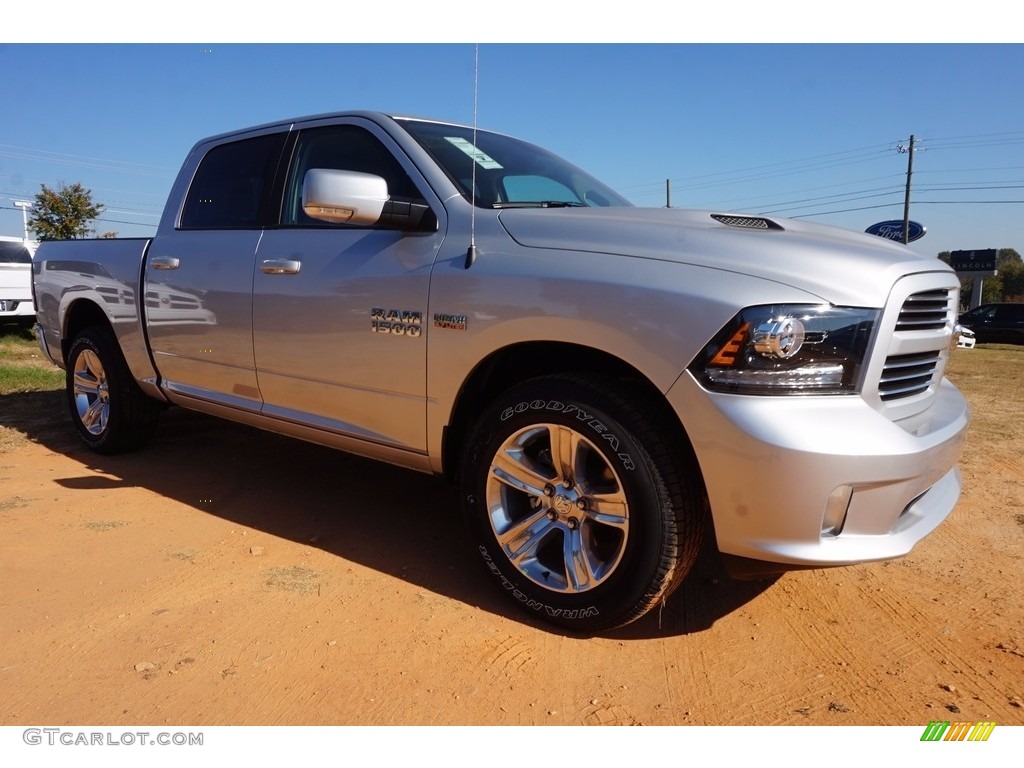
[538, 204]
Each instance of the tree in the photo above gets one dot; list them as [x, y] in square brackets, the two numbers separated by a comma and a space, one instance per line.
[63, 213]
[1012, 275]
[1007, 256]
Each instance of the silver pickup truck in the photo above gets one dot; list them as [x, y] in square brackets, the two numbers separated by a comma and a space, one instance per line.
[609, 385]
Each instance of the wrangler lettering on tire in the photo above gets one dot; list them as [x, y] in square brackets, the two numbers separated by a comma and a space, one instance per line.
[580, 508]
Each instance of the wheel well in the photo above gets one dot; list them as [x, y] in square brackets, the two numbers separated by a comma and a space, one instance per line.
[80, 315]
[509, 366]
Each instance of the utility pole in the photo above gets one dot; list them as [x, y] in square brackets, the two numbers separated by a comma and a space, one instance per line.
[25, 205]
[668, 194]
[909, 151]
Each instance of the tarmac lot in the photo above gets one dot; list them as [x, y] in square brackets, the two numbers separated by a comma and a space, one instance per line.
[229, 576]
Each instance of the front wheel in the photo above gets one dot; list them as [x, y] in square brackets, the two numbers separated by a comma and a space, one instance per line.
[579, 506]
[110, 412]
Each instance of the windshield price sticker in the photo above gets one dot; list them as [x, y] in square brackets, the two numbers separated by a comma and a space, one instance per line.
[479, 156]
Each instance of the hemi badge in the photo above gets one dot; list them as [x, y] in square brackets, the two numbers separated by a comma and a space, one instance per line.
[449, 321]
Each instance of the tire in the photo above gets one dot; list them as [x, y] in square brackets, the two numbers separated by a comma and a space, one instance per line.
[110, 412]
[578, 506]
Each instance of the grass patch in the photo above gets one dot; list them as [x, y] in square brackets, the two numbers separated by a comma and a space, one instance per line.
[987, 375]
[18, 379]
[23, 367]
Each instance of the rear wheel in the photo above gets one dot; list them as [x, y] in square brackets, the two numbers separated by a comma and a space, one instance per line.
[579, 507]
[110, 412]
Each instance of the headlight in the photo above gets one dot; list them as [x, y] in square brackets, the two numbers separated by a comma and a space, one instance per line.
[788, 349]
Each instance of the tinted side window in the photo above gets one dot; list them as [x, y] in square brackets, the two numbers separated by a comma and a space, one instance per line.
[229, 186]
[342, 148]
[981, 313]
[14, 253]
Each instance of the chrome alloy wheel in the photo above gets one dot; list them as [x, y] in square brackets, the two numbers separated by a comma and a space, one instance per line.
[92, 400]
[557, 508]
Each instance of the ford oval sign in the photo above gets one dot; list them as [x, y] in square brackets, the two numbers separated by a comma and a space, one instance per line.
[893, 230]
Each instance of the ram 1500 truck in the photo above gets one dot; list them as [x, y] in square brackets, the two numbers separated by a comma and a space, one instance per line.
[609, 385]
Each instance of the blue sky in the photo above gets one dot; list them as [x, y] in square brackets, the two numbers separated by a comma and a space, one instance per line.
[793, 129]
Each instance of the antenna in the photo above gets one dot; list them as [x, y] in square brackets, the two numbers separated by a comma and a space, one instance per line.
[471, 251]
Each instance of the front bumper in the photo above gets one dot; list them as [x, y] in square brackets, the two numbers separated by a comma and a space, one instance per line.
[824, 480]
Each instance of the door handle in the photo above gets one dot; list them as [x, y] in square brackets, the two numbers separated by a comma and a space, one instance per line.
[165, 262]
[280, 266]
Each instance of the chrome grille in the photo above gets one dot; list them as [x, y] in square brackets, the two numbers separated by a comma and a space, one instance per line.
[906, 375]
[912, 347]
[926, 310]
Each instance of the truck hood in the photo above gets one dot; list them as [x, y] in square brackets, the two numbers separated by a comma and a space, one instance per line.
[836, 265]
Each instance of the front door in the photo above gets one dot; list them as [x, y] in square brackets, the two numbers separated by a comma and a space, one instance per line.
[339, 312]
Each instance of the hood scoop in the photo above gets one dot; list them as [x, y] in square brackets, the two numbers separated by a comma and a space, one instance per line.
[746, 222]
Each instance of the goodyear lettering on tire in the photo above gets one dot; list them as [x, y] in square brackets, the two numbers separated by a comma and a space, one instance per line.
[581, 416]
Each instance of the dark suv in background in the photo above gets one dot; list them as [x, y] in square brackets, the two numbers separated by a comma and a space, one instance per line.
[996, 323]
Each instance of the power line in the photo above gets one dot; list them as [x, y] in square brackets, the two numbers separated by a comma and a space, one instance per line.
[773, 175]
[969, 202]
[65, 158]
[842, 210]
[948, 188]
[826, 161]
[846, 199]
[133, 223]
[974, 170]
[150, 214]
[813, 162]
[101, 218]
[980, 135]
[916, 202]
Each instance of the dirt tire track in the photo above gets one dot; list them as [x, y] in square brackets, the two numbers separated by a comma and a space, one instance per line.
[510, 658]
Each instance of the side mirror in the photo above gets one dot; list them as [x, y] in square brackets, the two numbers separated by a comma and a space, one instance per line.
[343, 197]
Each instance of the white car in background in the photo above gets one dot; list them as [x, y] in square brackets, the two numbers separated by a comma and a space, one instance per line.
[16, 280]
[966, 339]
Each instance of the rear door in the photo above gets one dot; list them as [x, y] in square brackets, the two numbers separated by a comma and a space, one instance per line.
[339, 311]
[198, 279]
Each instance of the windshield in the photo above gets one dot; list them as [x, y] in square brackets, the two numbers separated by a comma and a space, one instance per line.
[509, 173]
